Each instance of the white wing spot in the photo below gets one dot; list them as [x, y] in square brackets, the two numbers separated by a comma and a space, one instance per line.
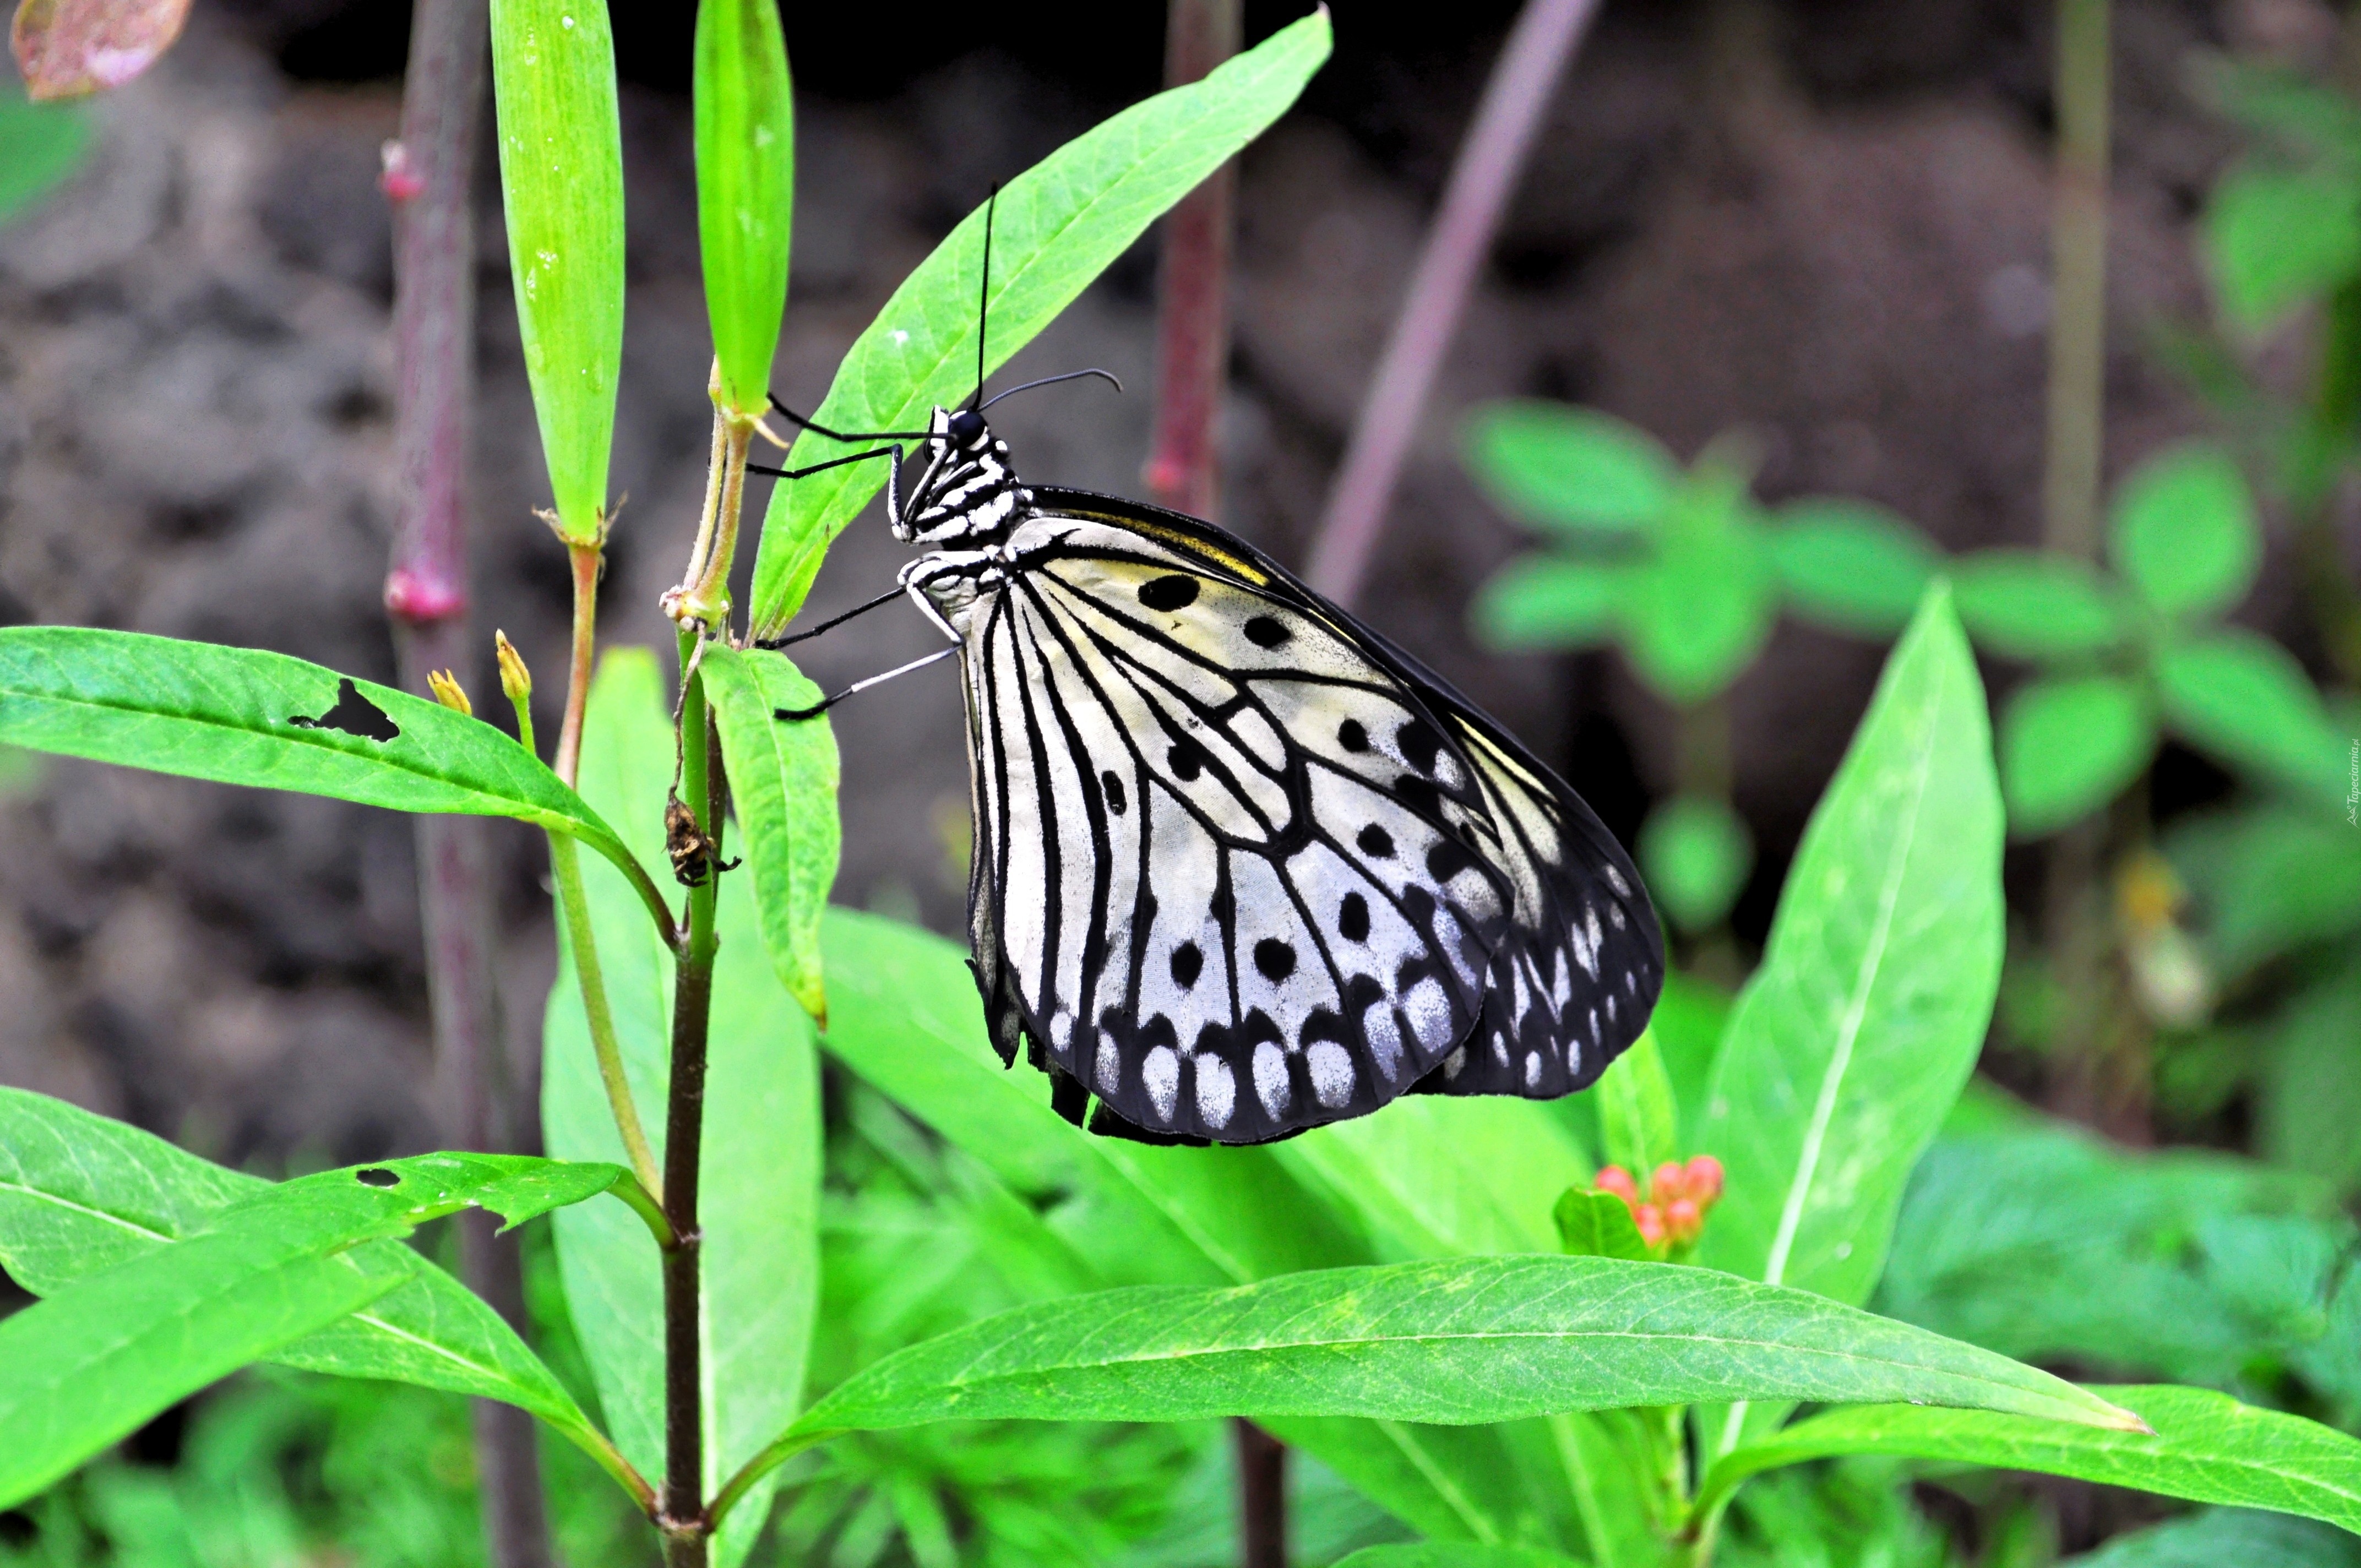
[1217, 1091]
[1161, 1071]
[1378, 1027]
[1532, 1070]
[1110, 1068]
[1615, 914]
[1615, 880]
[1429, 1007]
[1332, 1073]
[1270, 1079]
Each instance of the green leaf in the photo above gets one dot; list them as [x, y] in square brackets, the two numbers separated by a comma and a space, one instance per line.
[2183, 532]
[1699, 611]
[2276, 238]
[1454, 1554]
[1851, 565]
[759, 1171]
[80, 1194]
[40, 147]
[1057, 225]
[241, 716]
[2027, 605]
[1457, 1340]
[2309, 1098]
[1853, 1038]
[2213, 1536]
[782, 779]
[1475, 1484]
[2244, 698]
[2069, 744]
[1691, 1017]
[1638, 1118]
[1549, 601]
[2270, 877]
[2205, 1447]
[89, 1363]
[1597, 1224]
[745, 188]
[1567, 470]
[562, 188]
[1697, 853]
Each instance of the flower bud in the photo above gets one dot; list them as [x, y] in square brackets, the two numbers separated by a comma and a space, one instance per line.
[1704, 1182]
[1616, 1179]
[1651, 1221]
[515, 679]
[445, 684]
[1670, 1181]
[1682, 1221]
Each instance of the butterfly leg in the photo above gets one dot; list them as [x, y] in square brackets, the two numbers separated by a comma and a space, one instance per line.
[888, 596]
[796, 714]
[887, 452]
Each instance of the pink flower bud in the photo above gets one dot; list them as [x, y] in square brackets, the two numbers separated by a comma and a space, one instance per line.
[1651, 1221]
[1616, 1179]
[398, 178]
[1705, 1179]
[1669, 1182]
[1683, 1220]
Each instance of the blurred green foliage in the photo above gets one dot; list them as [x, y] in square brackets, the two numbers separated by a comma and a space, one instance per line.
[40, 145]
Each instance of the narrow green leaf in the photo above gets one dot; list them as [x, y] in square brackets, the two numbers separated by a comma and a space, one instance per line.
[1569, 470]
[2243, 697]
[782, 779]
[1851, 564]
[1459, 1340]
[89, 1363]
[241, 715]
[1638, 1119]
[1853, 1039]
[1454, 1554]
[2206, 1447]
[1597, 1224]
[2277, 237]
[80, 1194]
[758, 1192]
[1697, 853]
[562, 188]
[2069, 744]
[2027, 605]
[1549, 601]
[2183, 532]
[745, 188]
[1057, 225]
[40, 145]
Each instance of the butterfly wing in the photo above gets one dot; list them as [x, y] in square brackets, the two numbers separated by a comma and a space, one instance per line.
[1232, 875]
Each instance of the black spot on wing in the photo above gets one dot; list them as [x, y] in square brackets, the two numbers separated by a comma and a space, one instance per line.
[1188, 962]
[1166, 594]
[1111, 788]
[1274, 960]
[1266, 632]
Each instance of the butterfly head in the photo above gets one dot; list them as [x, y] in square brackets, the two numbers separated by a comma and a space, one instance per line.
[966, 491]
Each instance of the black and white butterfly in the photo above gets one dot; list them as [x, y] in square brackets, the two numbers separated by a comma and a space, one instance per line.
[1241, 865]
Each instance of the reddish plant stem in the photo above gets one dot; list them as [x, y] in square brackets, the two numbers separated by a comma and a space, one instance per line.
[588, 561]
[1193, 316]
[1482, 179]
[1262, 1496]
[428, 178]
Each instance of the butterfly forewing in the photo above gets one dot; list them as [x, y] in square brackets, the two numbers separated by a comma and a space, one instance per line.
[1237, 871]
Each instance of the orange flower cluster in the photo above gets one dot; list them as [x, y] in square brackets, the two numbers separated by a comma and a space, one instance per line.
[1678, 1196]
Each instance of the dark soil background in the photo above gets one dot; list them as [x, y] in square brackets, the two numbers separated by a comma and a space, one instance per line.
[1824, 222]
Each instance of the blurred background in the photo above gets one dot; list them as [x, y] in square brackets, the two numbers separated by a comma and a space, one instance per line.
[1788, 253]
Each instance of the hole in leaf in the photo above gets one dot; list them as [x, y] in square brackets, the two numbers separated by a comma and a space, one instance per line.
[354, 714]
[377, 1176]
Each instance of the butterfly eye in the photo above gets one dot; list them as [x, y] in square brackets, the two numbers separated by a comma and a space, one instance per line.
[965, 427]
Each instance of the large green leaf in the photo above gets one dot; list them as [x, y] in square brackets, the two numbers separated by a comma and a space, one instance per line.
[80, 1194]
[1853, 1038]
[2183, 532]
[760, 1178]
[562, 188]
[2206, 1447]
[1569, 471]
[782, 779]
[242, 715]
[2069, 744]
[88, 1365]
[1457, 1340]
[1057, 225]
[745, 188]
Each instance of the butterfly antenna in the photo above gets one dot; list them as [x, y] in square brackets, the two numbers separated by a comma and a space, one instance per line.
[984, 294]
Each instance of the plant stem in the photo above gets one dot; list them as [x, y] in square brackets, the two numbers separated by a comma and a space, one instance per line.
[2078, 322]
[1482, 179]
[683, 1517]
[588, 561]
[574, 909]
[430, 181]
[2334, 415]
[1192, 317]
[708, 599]
[1262, 1496]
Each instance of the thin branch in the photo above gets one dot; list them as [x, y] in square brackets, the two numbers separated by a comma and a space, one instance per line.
[2078, 318]
[1193, 316]
[429, 178]
[574, 909]
[1482, 179]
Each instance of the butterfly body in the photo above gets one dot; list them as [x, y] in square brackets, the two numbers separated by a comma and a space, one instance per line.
[1241, 866]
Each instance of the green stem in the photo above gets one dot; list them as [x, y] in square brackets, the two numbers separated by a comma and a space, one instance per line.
[683, 1517]
[573, 907]
[2077, 321]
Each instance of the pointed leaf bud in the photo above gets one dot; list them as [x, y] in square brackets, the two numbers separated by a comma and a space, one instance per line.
[515, 679]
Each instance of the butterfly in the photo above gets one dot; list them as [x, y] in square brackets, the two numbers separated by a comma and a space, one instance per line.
[1241, 865]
